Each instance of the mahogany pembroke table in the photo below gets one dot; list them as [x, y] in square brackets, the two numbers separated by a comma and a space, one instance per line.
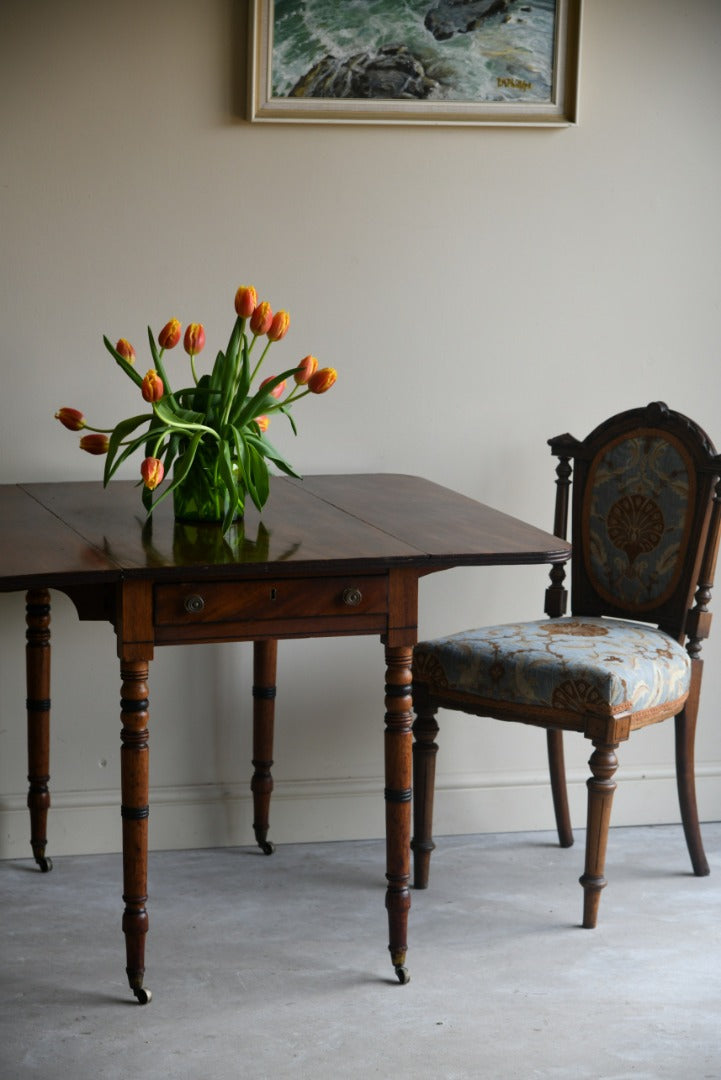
[329, 555]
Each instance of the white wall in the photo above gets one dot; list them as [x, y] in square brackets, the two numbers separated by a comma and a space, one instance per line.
[478, 290]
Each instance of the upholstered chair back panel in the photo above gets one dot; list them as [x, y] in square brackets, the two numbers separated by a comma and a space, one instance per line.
[637, 513]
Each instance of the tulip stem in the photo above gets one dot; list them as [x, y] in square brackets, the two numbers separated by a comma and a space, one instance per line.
[262, 358]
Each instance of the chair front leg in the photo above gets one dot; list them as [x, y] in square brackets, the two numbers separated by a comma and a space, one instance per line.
[601, 787]
[425, 749]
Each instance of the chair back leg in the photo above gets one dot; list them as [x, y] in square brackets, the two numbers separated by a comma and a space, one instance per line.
[686, 773]
[559, 790]
[425, 749]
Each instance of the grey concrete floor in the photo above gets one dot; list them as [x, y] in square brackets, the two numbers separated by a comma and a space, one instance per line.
[277, 967]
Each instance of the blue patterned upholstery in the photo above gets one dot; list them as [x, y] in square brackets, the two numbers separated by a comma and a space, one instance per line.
[637, 516]
[567, 667]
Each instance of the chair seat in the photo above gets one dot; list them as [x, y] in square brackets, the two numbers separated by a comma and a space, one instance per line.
[567, 667]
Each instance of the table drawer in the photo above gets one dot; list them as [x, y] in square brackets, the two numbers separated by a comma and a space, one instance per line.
[189, 603]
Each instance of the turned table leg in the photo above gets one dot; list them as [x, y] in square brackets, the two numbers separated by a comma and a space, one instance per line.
[134, 812]
[398, 796]
[37, 662]
[265, 654]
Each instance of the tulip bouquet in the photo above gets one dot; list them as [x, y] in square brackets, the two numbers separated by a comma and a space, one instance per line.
[212, 433]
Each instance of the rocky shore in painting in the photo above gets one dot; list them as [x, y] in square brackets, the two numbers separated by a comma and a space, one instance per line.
[449, 17]
[393, 71]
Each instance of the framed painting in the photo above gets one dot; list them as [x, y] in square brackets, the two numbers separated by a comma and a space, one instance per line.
[491, 62]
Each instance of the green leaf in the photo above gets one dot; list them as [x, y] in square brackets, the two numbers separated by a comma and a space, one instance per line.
[174, 415]
[234, 342]
[185, 461]
[243, 387]
[128, 449]
[216, 376]
[241, 456]
[157, 428]
[158, 364]
[127, 368]
[257, 472]
[227, 386]
[198, 399]
[182, 468]
[266, 448]
[120, 432]
[228, 479]
[286, 412]
[261, 400]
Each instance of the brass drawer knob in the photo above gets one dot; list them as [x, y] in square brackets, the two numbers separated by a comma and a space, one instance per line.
[352, 597]
[194, 603]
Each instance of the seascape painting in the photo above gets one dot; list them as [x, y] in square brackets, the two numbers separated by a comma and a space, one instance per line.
[481, 50]
[423, 58]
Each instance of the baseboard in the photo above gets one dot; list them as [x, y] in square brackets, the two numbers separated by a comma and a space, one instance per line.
[221, 815]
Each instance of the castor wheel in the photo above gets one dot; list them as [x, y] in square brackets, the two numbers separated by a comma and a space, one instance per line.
[403, 975]
[143, 995]
[266, 847]
[45, 863]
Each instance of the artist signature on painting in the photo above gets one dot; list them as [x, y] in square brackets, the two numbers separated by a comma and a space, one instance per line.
[514, 84]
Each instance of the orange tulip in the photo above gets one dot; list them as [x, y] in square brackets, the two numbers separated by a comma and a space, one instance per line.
[307, 367]
[169, 336]
[95, 443]
[322, 380]
[194, 339]
[261, 319]
[246, 300]
[126, 350]
[279, 326]
[152, 471]
[278, 391]
[72, 419]
[152, 388]
[262, 422]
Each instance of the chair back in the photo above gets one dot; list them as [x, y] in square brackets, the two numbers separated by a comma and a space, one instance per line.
[645, 513]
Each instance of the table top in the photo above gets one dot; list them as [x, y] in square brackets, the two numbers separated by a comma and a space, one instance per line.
[71, 533]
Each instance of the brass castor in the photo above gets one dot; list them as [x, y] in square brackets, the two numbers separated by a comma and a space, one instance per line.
[403, 975]
[266, 847]
[143, 995]
[45, 863]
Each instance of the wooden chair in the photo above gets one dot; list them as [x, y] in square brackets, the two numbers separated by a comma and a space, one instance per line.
[646, 511]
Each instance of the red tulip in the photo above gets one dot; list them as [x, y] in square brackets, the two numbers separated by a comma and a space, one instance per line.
[278, 391]
[152, 471]
[194, 339]
[169, 336]
[95, 443]
[322, 380]
[152, 388]
[261, 319]
[246, 300]
[307, 367]
[72, 419]
[126, 350]
[279, 326]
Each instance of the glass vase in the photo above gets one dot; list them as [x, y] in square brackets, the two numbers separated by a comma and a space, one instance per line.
[200, 497]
